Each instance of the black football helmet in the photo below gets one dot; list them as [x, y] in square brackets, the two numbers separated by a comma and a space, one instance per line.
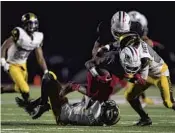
[30, 22]
[110, 113]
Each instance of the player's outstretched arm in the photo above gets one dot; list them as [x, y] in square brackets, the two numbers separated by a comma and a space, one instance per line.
[40, 59]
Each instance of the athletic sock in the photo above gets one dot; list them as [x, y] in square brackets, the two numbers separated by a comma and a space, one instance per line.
[136, 105]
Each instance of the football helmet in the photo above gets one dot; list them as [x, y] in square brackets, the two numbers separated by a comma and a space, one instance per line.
[120, 23]
[129, 39]
[136, 16]
[110, 112]
[30, 22]
[130, 60]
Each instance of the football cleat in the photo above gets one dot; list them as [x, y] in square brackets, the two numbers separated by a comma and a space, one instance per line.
[39, 110]
[28, 106]
[21, 103]
[144, 122]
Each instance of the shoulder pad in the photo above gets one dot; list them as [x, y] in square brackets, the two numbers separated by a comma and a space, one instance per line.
[15, 34]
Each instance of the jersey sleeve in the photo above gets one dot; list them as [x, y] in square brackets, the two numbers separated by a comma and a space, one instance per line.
[41, 37]
[15, 34]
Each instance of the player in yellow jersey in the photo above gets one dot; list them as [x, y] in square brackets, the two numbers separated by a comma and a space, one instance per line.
[18, 46]
[148, 68]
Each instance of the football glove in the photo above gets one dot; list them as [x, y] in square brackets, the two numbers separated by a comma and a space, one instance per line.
[139, 79]
[49, 75]
[5, 65]
[104, 79]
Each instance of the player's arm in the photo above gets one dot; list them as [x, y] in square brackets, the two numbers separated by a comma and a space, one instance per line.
[97, 45]
[6, 45]
[91, 67]
[8, 42]
[147, 40]
[40, 59]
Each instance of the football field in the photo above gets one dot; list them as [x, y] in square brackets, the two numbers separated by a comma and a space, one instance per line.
[15, 120]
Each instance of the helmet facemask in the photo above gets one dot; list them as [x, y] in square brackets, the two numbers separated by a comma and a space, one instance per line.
[110, 113]
[120, 24]
[130, 61]
[30, 22]
[32, 26]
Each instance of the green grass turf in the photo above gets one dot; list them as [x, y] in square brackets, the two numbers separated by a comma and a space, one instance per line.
[15, 120]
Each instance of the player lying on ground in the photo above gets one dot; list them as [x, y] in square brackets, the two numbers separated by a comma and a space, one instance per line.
[87, 112]
[22, 41]
[140, 60]
[107, 35]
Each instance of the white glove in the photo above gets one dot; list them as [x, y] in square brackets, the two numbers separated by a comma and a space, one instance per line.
[4, 64]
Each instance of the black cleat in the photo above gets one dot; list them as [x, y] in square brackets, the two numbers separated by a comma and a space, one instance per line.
[21, 103]
[28, 106]
[144, 122]
[39, 110]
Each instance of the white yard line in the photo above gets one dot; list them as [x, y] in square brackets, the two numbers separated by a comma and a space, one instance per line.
[76, 130]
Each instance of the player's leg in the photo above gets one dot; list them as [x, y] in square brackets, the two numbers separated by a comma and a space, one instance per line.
[145, 99]
[166, 90]
[17, 75]
[132, 94]
[50, 89]
[72, 86]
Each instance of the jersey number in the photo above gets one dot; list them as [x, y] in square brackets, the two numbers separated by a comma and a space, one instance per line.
[157, 58]
[21, 55]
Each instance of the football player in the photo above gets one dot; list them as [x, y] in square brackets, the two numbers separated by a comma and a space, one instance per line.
[120, 24]
[102, 81]
[141, 61]
[157, 46]
[88, 112]
[19, 45]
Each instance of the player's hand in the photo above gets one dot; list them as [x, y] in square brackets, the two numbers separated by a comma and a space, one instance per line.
[48, 75]
[104, 78]
[5, 65]
[139, 79]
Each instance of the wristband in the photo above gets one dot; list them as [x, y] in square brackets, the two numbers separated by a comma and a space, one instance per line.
[93, 72]
[3, 61]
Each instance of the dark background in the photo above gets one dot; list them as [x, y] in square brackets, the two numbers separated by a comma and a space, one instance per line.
[70, 30]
